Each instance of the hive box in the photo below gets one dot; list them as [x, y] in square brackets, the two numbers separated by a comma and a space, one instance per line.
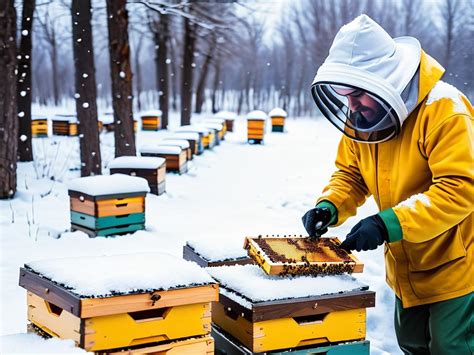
[278, 116]
[119, 301]
[229, 118]
[227, 345]
[256, 126]
[152, 169]
[105, 205]
[151, 120]
[182, 143]
[219, 124]
[294, 255]
[39, 126]
[176, 158]
[266, 313]
[193, 138]
[65, 125]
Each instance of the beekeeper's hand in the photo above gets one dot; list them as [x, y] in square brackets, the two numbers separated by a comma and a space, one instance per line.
[368, 234]
[317, 220]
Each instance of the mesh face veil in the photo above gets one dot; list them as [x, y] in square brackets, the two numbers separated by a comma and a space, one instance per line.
[359, 114]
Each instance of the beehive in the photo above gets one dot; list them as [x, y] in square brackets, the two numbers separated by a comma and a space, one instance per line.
[65, 125]
[216, 128]
[256, 126]
[107, 119]
[107, 205]
[278, 116]
[301, 255]
[182, 143]
[151, 120]
[39, 126]
[265, 313]
[193, 139]
[229, 118]
[204, 133]
[220, 125]
[225, 344]
[108, 303]
[152, 169]
[210, 253]
[176, 158]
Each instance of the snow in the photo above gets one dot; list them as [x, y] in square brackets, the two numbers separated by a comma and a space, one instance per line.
[412, 200]
[107, 117]
[194, 128]
[257, 115]
[85, 105]
[151, 113]
[444, 90]
[136, 162]
[38, 117]
[232, 191]
[218, 249]
[212, 125]
[104, 276]
[253, 283]
[109, 184]
[226, 115]
[23, 138]
[182, 143]
[34, 344]
[277, 112]
[160, 149]
[184, 135]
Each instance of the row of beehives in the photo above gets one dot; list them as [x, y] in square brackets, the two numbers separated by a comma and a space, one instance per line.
[256, 124]
[116, 204]
[66, 124]
[156, 303]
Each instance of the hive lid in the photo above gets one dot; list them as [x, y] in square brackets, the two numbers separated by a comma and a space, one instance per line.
[218, 249]
[183, 143]
[184, 135]
[67, 117]
[277, 112]
[227, 115]
[151, 113]
[257, 115]
[108, 185]
[107, 276]
[127, 162]
[294, 255]
[160, 149]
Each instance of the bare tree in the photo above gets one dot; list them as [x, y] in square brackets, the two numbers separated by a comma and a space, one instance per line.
[25, 148]
[187, 71]
[8, 94]
[204, 72]
[86, 94]
[121, 75]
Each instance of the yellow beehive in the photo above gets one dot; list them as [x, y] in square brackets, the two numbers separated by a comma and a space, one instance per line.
[151, 120]
[138, 313]
[39, 126]
[278, 117]
[256, 126]
[287, 321]
[65, 125]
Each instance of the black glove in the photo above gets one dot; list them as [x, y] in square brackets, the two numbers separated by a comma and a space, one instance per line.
[368, 234]
[316, 221]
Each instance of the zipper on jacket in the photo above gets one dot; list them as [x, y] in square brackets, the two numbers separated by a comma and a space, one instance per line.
[376, 156]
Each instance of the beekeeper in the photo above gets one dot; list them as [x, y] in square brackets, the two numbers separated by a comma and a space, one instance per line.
[407, 141]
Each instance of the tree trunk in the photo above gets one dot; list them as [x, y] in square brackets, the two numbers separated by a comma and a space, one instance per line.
[8, 95]
[54, 67]
[162, 80]
[187, 72]
[121, 77]
[200, 90]
[174, 77]
[25, 148]
[138, 73]
[86, 91]
[215, 84]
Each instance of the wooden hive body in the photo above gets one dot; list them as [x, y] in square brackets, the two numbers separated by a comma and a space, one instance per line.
[296, 322]
[156, 177]
[255, 130]
[39, 127]
[151, 123]
[119, 321]
[278, 124]
[105, 215]
[174, 162]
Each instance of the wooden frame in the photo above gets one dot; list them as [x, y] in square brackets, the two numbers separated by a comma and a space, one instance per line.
[190, 254]
[299, 267]
[156, 177]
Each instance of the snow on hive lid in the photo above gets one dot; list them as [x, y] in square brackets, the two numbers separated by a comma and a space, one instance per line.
[151, 113]
[203, 130]
[214, 125]
[257, 115]
[277, 112]
[184, 135]
[218, 249]
[108, 184]
[106, 276]
[71, 118]
[226, 115]
[253, 283]
[38, 117]
[160, 149]
[136, 162]
[183, 143]
[107, 117]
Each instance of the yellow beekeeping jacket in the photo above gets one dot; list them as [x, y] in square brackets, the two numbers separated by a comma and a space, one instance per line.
[426, 176]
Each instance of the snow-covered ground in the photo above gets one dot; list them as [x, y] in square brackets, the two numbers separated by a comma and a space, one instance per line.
[230, 192]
